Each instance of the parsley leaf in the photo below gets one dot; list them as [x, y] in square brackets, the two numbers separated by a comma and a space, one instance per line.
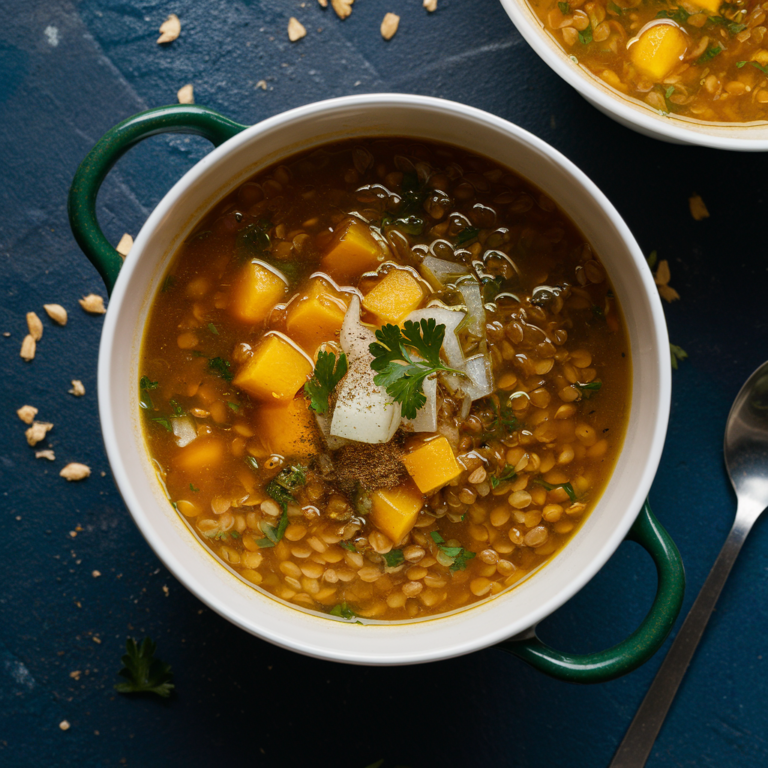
[567, 487]
[273, 535]
[565, 9]
[393, 558]
[292, 477]
[193, 489]
[328, 373]
[252, 462]
[669, 92]
[467, 234]
[615, 8]
[436, 537]
[740, 64]
[213, 329]
[143, 672]
[585, 37]
[680, 15]
[145, 400]
[677, 354]
[762, 67]
[505, 421]
[233, 406]
[146, 384]
[163, 422]
[348, 545]
[168, 283]
[343, 611]
[709, 54]
[221, 367]
[587, 389]
[402, 376]
[459, 555]
[279, 494]
[508, 473]
[733, 27]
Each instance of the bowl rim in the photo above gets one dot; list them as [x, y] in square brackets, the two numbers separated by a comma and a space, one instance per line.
[205, 592]
[642, 119]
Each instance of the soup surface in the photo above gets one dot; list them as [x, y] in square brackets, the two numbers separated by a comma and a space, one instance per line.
[702, 59]
[385, 379]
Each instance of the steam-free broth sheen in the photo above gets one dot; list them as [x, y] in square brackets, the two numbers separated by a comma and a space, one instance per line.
[499, 337]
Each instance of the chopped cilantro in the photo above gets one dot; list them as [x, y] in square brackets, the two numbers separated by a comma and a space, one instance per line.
[653, 257]
[459, 555]
[587, 389]
[508, 473]
[252, 463]
[279, 494]
[436, 537]
[163, 422]
[328, 373]
[680, 15]
[234, 534]
[177, 409]
[393, 558]
[221, 367]
[677, 354]
[669, 92]
[348, 545]
[142, 671]
[585, 37]
[212, 328]
[412, 194]
[192, 488]
[567, 487]
[233, 406]
[598, 312]
[343, 611]
[762, 67]
[740, 64]
[709, 54]
[145, 385]
[402, 376]
[168, 283]
[615, 8]
[466, 235]
[504, 422]
[733, 27]
[292, 477]
[272, 534]
[565, 9]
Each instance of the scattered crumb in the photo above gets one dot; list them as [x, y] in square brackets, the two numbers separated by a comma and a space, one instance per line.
[125, 244]
[46, 454]
[6, 334]
[96, 639]
[56, 312]
[661, 278]
[78, 390]
[96, 574]
[389, 25]
[38, 431]
[342, 7]
[75, 471]
[28, 348]
[296, 30]
[166, 590]
[430, 5]
[27, 413]
[64, 725]
[698, 208]
[262, 84]
[323, 3]
[93, 304]
[169, 30]
[186, 94]
[35, 326]
[73, 534]
[75, 674]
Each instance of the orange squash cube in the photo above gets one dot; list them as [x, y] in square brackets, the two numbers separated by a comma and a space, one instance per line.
[394, 510]
[200, 455]
[353, 251]
[713, 6]
[394, 297]
[255, 291]
[432, 465]
[658, 50]
[288, 429]
[317, 316]
[276, 370]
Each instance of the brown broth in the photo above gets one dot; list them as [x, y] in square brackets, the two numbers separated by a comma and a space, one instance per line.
[534, 456]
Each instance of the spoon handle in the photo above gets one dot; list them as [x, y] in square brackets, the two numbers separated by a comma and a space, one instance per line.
[635, 748]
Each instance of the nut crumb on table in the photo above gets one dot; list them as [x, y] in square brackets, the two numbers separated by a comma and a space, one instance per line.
[169, 30]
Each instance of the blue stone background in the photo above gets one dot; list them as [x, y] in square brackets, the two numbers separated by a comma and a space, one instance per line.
[71, 70]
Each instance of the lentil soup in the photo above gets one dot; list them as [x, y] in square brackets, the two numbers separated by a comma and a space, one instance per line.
[704, 60]
[385, 380]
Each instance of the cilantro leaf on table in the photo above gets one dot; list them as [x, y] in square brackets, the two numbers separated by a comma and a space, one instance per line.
[143, 672]
[677, 354]
[401, 375]
[327, 374]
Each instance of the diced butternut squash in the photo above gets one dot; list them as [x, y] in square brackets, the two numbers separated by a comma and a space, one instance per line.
[276, 370]
[353, 251]
[288, 429]
[316, 316]
[394, 510]
[658, 50]
[200, 455]
[395, 296]
[255, 291]
[713, 6]
[432, 465]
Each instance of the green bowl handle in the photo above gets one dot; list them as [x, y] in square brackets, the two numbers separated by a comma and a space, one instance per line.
[81, 205]
[643, 642]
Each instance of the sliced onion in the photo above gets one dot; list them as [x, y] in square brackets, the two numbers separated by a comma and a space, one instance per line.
[426, 416]
[354, 337]
[184, 430]
[479, 380]
[324, 425]
[439, 272]
[472, 294]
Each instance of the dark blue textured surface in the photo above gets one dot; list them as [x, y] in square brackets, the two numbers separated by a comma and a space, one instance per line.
[242, 701]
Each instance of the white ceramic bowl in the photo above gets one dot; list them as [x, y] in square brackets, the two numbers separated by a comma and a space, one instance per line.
[643, 119]
[224, 169]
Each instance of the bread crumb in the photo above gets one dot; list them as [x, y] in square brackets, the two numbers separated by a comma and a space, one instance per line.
[78, 390]
[169, 30]
[661, 278]
[698, 208]
[64, 725]
[296, 30]
[96, 574]
[75, 471]
[96, 639]
[46, 454]
[389, 25]
[342, 7]
[186, 94]
[27, 413]
[125, 245]
[430, 5]
[166, 590]
[35, 326]
[38, 431]
[262, 84]
[323, 3]
[93, 304]
[28, 348]
[56, 312]
[75, 674]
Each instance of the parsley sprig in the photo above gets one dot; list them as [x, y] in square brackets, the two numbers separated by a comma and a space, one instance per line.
[328, 373]
[458, 555]
[280, 489]
[508, 473]
[143, 672]
[396, 369]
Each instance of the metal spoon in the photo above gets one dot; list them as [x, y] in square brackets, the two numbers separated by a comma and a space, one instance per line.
[746, 459]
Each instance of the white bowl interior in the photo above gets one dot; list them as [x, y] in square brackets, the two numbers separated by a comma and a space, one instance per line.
[741, 137]
[215, 176]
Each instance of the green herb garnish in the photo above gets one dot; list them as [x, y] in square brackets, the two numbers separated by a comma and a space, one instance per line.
[459, 555]
[328, 373]
[145, 385]
[168, 283]
[396, 370]
[567, 487]
[733, 27]
[273, 535]
[411, 225]
[143, 672]
[505, 420]
[680, 15]
[213, 329]
[291, 477]
[279, 494]
[740, 64]
[348, 545]
[587, 389]
[508, 473]
[436, 537]
[615, 8]
[412, 193]
[233, 406]
[565, 8]
[585, 37]
[709, 54]
[163, 422]
[762, 67]
[653, 257]
[252, 462]
[178, 410]
[677, 354]
[669, 92]
[193, 489]
[221, 367]
[393, 558]
[343, 611]
[466, 235]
